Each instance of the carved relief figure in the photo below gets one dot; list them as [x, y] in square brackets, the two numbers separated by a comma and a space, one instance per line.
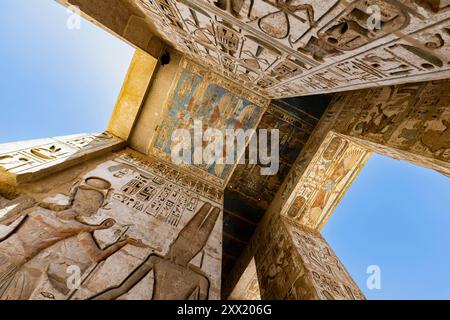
[351, 30]
[334, 185]
[319, 49]
[255, 42]
[331, 280]
[296, 206]
[437, 140]
[37, 229]
[174, 278]
[378, 123]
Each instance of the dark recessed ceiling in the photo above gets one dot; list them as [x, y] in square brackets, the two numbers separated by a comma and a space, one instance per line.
[248, 193]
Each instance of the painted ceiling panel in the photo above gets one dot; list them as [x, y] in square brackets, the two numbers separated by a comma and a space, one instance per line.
[201, 102]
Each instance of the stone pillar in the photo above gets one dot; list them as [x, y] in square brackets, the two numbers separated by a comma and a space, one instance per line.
[296, 263]
[248, 286]
[407, 122]
[285, 271]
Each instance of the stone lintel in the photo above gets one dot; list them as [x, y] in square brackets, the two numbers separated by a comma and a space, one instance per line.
[122, 19]
[27, 161]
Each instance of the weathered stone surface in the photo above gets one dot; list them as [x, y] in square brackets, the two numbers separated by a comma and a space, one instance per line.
[297, 263]
[104, 237]
[132, 95]
[26, 161]
[58, 202]
[123, 19]
[287, 48]
[248, 286]
[10, 208]
[406, 122]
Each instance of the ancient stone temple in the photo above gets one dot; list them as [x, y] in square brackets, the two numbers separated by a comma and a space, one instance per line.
[111, 216]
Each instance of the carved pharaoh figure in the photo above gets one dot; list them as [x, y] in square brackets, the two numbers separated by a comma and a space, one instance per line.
[37, 229]
[174, 278]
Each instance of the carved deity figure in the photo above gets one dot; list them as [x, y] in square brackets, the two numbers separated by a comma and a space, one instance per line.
[174, 278]
[37, 229]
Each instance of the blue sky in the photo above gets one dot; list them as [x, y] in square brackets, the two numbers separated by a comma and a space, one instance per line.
[396, 215]
[55, 81]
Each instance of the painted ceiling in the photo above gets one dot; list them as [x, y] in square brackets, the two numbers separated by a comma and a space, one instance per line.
[284, 48]
[203, 101]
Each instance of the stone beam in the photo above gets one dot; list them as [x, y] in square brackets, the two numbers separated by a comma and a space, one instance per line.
[285, 50]
[123, 19]
[132, 95]
[248, 286]
[26, 161]
[296, 263]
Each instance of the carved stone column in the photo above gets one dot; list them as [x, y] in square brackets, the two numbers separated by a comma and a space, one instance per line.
[248, 286]
[298, 264]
